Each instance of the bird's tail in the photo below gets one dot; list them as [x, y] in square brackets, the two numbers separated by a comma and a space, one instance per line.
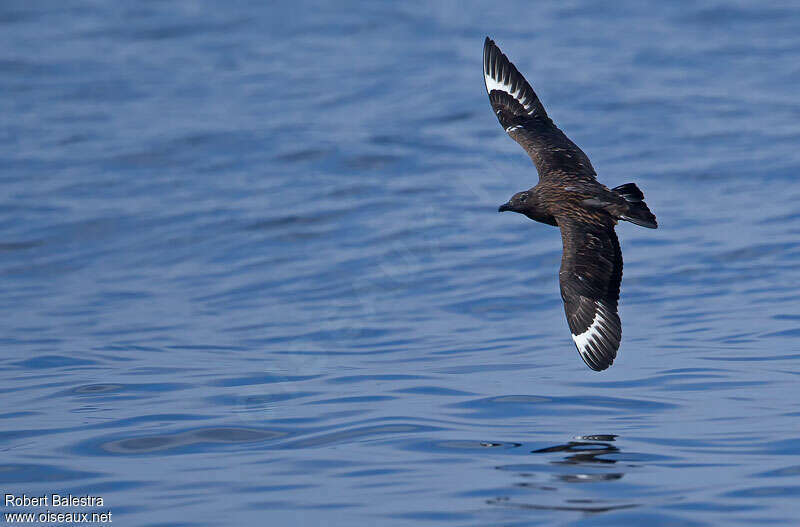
[637, 212]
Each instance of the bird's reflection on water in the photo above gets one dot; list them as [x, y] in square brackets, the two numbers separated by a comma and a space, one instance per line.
[586, 453]
[586, 450]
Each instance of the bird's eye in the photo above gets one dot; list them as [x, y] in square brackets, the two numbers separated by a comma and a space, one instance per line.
[523, 197]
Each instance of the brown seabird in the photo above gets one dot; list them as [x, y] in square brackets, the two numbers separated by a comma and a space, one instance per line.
[569, 196]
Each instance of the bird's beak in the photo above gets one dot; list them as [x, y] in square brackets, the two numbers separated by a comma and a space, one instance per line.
[504, 207]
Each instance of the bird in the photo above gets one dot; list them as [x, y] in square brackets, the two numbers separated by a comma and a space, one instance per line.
[569, 197]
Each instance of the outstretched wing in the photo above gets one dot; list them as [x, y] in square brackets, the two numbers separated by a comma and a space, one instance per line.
[523, 117]
[590, 275]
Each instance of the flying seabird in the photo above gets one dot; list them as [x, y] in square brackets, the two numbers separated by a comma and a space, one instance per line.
[569, 196]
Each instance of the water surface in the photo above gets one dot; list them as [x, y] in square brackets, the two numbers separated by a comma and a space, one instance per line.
[253, 272]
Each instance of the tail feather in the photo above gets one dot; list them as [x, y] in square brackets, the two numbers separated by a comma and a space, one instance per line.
[638, 212]
[630, 192]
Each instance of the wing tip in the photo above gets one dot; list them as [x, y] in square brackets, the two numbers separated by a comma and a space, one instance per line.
[489, 46]
[500, 74]
[597, 363]
[595, 357]
[491, 53]
[599, 343]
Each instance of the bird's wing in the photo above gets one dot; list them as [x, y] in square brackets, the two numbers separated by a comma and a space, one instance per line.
[590, 275]
[523, 117]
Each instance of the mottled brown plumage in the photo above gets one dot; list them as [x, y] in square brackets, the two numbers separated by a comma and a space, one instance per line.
[569, 196]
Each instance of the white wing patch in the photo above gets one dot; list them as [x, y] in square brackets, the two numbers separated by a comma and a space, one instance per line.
[592, 334]
[492, 84]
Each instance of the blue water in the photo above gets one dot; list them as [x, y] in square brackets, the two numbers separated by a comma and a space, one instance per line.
[253, 272]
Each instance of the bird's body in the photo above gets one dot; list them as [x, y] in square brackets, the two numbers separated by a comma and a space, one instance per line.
[569, 196]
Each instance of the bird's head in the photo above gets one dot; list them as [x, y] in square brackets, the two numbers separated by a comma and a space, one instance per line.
[520, 202]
